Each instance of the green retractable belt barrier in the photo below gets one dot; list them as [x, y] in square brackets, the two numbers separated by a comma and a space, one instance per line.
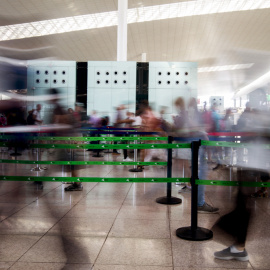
[232, 183]
[82, 162]
[93, 179]
[233, 144]
[105, 146]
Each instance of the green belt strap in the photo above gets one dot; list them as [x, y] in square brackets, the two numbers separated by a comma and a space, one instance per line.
[93, 179]
[106, 146]
[232, 183]
[81, 162]
[233, 144]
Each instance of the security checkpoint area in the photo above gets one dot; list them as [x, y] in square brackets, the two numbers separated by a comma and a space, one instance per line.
[134, 135]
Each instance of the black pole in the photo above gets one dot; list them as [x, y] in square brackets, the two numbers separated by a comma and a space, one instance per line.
[136, 168]
[194, 188]
[194, 233]
[169, 199]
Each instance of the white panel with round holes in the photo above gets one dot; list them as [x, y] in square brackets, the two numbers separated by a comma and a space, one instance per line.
[110, 84]
[44, 75]
[59, 76]
[169, 80]
[218, 101]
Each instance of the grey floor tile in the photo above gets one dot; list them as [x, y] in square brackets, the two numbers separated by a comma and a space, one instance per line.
[26, 225]
[131, 251]
[65, 249]
[208, 268]
[43, 210]
[143, 212]
[140, 228]
[49, 266]
[128, 267]
[5, 265]
[82, 227]
[93, 212]
[12, 247]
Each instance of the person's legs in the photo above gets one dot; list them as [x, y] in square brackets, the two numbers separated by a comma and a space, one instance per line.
[203, 207]
[75, 186]
[236, 223]
[262, 192]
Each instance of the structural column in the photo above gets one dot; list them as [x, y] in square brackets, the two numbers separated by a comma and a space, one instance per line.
[122, 30]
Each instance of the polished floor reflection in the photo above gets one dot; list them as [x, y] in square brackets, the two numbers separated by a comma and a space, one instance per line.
[116, 226]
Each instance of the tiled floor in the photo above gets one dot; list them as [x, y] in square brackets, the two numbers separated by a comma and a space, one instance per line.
[116, 226]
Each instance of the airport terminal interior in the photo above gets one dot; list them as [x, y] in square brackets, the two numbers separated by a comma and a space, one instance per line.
[134, 135]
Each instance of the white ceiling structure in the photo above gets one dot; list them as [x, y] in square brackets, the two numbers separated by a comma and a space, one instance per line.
[230, 39]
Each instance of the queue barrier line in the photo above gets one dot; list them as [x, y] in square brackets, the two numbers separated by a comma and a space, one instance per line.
[104, 146]
[94, 179]
[233, 144]
[82, 162]
[87, 139]
[232, 183]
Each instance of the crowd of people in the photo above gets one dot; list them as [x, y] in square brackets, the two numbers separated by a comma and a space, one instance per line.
[188, 123]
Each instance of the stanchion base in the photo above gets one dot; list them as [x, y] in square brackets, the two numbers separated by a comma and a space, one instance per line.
[15, 154]
[135, 170]
[199, 234]
[168, 200]
[37, 169]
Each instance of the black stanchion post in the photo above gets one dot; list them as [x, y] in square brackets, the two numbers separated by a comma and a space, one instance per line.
[169, 199]
[194, 233]
[97, 151]
[136, 168]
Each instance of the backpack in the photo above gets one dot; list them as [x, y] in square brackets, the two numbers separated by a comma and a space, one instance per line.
[30, 119]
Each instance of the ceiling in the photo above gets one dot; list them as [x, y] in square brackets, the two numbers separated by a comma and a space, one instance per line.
[220, 39]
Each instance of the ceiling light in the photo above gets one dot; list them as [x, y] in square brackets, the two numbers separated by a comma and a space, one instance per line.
[261, 81]
[135, 15]
[225, 68]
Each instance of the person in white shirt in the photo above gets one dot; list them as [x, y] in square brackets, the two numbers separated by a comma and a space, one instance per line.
[37, 116]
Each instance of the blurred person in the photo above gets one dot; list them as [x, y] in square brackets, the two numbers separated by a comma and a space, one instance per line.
[208, 127]
[244, 122]
[236, 224]
[151, 123]
[120, 116]
[94, 120]
[3, 120]
[217, 127]
[137, 120]
[165, 125]
[128, 121]
[189, 124]
[15, 116]
[30, 119]
[71, 118]
[36, 115]
[180, 125]
[59, 116]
